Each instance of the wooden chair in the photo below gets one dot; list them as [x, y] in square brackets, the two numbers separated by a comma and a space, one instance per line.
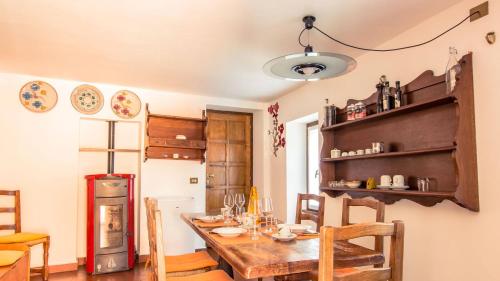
[328, 236]
[14, 262]
[26, 238]
[317, 216]
[193, 266]
[378, 206]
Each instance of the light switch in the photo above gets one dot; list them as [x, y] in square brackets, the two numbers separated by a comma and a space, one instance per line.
[193, 180]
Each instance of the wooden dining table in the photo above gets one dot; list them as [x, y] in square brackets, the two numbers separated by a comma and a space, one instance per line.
[265, 257]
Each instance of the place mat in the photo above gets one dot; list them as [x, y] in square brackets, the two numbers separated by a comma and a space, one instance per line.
[299, 236]
[242, 239]
[307, 236]
[203, 224]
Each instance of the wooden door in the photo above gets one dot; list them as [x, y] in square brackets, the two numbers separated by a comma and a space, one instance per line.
[229, 156]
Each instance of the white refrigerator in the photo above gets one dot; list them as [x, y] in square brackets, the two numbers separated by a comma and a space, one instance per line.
[178, 238]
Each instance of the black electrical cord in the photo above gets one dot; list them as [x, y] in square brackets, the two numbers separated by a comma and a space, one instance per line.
[386, 50]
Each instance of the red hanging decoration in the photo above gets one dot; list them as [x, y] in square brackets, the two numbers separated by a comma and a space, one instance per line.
[277, 132]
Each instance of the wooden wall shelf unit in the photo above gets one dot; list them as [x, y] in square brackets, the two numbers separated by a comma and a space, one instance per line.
[161, 132]
[432, 136]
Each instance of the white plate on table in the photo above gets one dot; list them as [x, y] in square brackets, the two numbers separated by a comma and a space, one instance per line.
[282, 238]
[229, 232]
[296, 228]
[209, 219]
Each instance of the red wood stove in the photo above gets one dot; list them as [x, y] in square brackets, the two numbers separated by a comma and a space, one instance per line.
[110, 223]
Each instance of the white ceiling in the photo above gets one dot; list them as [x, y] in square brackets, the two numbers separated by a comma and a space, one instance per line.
[205, 47]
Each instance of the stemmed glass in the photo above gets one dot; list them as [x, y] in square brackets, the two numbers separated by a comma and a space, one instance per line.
[266, 208]
[229, 204]
[239, 199]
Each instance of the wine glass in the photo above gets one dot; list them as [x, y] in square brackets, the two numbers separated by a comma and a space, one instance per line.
[239, 199]
[229, 204]
[266, 208]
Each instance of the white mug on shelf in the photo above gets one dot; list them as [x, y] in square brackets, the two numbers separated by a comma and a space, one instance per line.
[398, 180]
[385, 180]
[368, 151]
[360, 152]
[335, 153]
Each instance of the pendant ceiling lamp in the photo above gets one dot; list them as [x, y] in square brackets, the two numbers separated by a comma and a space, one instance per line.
[312, 66]
[309, 65]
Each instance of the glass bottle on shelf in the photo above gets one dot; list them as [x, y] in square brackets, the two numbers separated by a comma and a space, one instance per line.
[351, 112]
[453, 68]
[398, 97]
[387, 97]
[380, 97]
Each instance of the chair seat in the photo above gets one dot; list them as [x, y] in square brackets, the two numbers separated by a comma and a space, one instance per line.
[189, 262]
[8, 257]
[21, 237]
[215, 275]
[336, 273]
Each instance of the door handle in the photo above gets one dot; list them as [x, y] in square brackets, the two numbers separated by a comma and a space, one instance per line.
[209, 178]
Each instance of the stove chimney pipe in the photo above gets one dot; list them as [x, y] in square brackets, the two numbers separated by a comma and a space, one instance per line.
[111, 145]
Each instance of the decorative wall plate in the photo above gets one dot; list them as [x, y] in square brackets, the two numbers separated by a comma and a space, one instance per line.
[87, 99]
[125, 104]
[38, 96]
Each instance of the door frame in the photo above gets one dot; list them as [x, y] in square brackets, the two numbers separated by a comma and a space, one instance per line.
[309, 125]
[250, 114]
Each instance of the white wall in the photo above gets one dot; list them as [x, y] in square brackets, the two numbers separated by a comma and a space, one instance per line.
[445, 242]
[39, 155]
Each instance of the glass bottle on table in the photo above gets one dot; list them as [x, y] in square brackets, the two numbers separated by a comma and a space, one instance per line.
[253, 206]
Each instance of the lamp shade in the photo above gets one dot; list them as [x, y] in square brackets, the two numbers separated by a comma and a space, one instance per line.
[309, 66]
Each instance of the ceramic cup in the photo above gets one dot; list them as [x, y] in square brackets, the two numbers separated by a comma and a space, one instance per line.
[344, 154]
[398, 180]
[360, 152]
[385, 180]
[175, 155]
[368, 151]
[352, 153]
[335, 153]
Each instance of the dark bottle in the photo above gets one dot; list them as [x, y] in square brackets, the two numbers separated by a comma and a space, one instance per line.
[333, 114]
[380, 99]
[386, 97]
[398, 97]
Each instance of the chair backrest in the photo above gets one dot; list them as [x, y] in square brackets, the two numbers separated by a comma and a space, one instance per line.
[317, 216]
[155, 237]
[331, 234]
[378, 206]
[16, 210]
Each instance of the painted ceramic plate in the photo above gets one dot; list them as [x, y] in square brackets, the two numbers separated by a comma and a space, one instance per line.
[38, 96]
[87, 99]
[125, 104]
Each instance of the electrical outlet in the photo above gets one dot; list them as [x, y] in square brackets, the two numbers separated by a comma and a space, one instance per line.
[193, 180]
[479, 11]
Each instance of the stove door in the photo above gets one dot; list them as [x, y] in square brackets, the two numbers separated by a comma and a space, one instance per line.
[111, 225]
